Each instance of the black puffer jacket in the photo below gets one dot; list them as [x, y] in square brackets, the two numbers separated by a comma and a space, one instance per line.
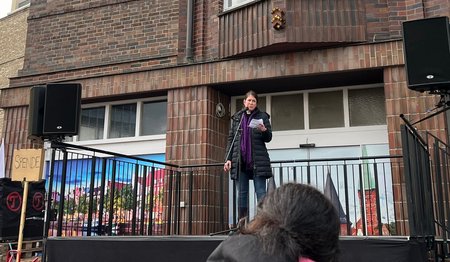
[260, 156]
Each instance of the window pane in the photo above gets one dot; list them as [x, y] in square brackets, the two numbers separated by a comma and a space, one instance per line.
[22, 3]
[326, 110]
[228, 4]
[367, 107]
[261, 103]
[154, 118]
[92, 123]
[287, 112]
[123, 121]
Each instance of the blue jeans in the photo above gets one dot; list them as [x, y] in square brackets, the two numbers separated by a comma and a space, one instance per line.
[243, 188]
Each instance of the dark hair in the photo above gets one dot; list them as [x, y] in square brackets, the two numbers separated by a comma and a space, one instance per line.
[251, 93]
[297, 220]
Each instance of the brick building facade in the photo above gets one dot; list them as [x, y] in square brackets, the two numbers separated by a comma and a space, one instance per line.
[133, 49]
[13, 32]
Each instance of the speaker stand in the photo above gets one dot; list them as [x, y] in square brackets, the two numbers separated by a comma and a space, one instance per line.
[444, 103]
[241, 224]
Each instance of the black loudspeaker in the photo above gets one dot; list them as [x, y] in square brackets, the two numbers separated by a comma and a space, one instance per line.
[36, 111]
[427, 54]
[34, 224]
[11, 193]
[62, 109]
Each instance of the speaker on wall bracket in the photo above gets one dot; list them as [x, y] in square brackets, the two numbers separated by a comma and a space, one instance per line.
[62, 109]
[54, 110]
[426, 45]
[36, 112]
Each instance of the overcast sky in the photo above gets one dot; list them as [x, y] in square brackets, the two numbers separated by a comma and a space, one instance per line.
[5, 7]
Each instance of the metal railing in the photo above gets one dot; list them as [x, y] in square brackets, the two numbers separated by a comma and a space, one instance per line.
[440, 185]
[426, 162]
[94, 192]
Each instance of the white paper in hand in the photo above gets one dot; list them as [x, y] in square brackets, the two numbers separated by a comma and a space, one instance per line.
[254, 123]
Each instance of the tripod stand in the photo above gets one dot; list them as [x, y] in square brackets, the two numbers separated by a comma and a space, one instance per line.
[241, 224]
[443, 103]
[242, 221]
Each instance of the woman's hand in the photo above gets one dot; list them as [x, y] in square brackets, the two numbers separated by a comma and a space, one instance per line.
[262, 128]
[227, 166]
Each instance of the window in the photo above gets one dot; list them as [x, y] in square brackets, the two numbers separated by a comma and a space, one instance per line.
[287, 112]
[340, 108]
[367, 107]
[326, 109]
[229, 4]
[92, 123]
[154, 118]
[23, 3]
[122, 121]
[125, 119]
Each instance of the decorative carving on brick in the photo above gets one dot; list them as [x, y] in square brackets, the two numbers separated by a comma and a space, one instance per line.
[278, 19]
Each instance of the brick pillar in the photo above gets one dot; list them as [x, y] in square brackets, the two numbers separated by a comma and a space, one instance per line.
[195, 135]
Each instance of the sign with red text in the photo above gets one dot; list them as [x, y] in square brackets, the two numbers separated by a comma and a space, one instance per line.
[27, 164]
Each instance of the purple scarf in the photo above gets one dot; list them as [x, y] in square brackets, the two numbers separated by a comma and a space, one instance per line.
[246, 142]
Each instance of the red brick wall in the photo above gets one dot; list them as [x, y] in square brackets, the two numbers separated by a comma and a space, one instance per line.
[205, 35]
[436, 8]
[195, 135]
[414, 105]
[13, 31]
[377, 16]
[384, 18]
[133, 35]
[64, 35]
[182, 29]
[15, 134]
[291, 64]
[93, 33]
[206, 29]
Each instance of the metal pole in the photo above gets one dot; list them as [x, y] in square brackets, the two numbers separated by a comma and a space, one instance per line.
[22, 219]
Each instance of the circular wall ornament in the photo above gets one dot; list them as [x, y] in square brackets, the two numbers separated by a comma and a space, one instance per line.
[220, 110]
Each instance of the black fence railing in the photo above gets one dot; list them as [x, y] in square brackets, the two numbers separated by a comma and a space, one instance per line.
[94, 192]
[441, 199]
[418, 183]
[426, 163]
[362, 190]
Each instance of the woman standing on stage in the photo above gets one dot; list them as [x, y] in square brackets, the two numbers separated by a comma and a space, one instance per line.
[247, 157]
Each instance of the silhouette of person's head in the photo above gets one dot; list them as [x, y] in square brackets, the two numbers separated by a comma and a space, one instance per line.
[299, 221]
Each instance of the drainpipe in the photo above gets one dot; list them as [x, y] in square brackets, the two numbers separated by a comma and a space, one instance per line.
[190, 30]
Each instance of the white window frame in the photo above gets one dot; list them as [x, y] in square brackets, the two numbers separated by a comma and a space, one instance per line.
[235, 3]
[134, 145]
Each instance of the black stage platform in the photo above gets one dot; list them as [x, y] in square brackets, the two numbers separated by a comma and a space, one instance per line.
[197, 248]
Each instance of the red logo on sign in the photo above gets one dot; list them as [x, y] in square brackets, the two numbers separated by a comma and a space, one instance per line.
[38, 201]
[14, 201]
